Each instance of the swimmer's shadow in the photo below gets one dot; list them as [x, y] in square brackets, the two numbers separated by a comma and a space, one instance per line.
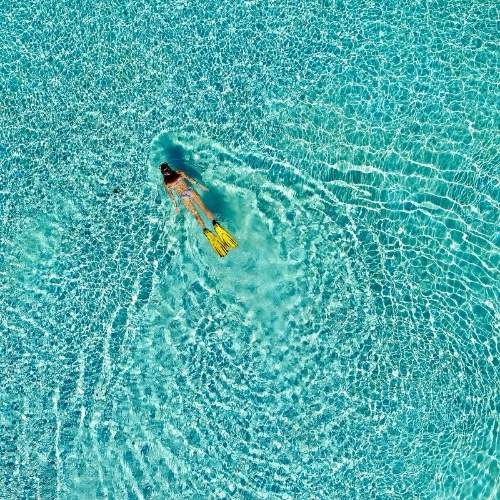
[173, 154]
[216, 201]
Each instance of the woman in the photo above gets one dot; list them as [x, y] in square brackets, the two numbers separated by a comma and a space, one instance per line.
[177, 182]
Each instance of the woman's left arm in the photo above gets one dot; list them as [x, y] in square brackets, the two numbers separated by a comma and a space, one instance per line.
[171, 196]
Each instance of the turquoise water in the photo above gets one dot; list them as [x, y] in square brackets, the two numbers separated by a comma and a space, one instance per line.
[348, 349]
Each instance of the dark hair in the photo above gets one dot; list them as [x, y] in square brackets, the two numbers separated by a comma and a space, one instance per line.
[165, 169]
[169, 174]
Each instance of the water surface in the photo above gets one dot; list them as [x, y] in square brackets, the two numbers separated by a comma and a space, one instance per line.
[348, 348]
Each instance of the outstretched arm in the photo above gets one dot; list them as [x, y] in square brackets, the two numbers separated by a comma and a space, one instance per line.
[171, 196]
[194, 181]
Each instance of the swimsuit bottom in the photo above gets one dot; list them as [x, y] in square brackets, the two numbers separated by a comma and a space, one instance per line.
[186, 193]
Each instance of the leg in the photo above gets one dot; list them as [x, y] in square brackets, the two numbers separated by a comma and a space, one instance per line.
[196, 198]
[189, 205]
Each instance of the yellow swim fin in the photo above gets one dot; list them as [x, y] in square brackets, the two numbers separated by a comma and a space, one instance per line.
[224, 235]
[217, 244]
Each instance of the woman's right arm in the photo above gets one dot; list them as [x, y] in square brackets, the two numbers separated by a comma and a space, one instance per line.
[193, 181]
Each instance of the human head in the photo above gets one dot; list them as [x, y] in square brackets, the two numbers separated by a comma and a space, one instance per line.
[165, 169]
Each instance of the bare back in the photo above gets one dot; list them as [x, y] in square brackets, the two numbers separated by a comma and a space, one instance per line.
[179, 185]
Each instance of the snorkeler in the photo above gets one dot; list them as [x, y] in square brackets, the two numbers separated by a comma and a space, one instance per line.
[177, 181]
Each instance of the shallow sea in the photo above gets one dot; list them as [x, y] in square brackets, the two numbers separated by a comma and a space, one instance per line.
[349, 348]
